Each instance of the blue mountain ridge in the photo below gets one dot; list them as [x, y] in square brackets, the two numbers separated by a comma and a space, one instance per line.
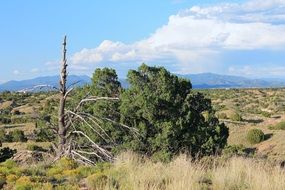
[199, 81]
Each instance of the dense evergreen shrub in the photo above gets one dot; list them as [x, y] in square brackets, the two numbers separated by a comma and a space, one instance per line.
[255, 136]
[168, 116]
[6, 153]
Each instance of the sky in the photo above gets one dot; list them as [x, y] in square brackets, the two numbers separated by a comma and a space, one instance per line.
[242, 37]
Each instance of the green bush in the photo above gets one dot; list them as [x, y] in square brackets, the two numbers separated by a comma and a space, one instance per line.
[168, 115]
[3, 135]
[2, 181]
[17, 136]
[24, 183]
[66, 164]
[222, 116]
[255, 136]
[97, 181]
[33, 147]
[43, 134]
[236, 117]
[278, 126]
[265, 114]
[6, 153]
[234, 150]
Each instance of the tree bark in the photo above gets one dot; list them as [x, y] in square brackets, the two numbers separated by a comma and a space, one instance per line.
[62, 128]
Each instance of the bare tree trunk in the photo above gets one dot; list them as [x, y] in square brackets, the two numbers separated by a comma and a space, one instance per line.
[62, 128]
[67, 144]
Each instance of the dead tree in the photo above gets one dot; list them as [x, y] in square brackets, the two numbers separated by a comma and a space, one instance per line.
[62, 127]
[68, 119]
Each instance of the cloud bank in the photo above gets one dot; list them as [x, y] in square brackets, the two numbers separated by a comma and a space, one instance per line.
[194, 39]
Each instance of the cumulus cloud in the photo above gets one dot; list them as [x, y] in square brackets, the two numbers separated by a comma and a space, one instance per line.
[193, 37]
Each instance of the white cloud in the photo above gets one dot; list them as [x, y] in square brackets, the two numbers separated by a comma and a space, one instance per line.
[257, 71]
[35, 70]
[52, 63]
[16, 72]
[193, 38]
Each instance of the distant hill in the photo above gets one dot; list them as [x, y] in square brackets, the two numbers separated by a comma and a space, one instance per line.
[211, 80]
[203, 80]
[40, 82]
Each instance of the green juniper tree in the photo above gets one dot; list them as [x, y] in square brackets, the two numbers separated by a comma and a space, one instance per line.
[169, 116]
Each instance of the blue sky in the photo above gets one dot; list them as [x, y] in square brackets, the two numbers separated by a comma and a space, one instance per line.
[228, 37]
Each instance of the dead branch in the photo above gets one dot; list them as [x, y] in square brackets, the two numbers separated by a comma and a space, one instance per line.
[104, 152]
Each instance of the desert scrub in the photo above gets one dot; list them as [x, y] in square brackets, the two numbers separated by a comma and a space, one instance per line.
[10, 167]
[235, 117]
[222, 115]
[255, 136]
[24, 183]
[33, 147]
[17, 136]
[265, 114]
[97, 181]
[278, 126]
[66, 164]
[2, 181]
[234, 150]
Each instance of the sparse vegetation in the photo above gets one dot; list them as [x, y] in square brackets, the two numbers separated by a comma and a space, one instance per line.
[161, 116]
[132, 171]
[278, 126]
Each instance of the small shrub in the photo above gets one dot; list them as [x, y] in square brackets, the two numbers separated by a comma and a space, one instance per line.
[54, 171]
[255, 136]
[222, 116]
[236, 117]
[11, 178]
[24, 183]
[66, 164]
[2, 135]
[85, 171]
[9, 164]
[265, 114]
[46, 186]
[234, 150]
[43, 135]
[18, 136]
[2, 182]
[6, 153]
[278, 126]
[33, 147]
[72, 172]
[97, 181]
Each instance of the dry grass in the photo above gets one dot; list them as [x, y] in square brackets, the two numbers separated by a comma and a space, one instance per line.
[28, 128]
[133, 172]
[5, 104]
[21, 146]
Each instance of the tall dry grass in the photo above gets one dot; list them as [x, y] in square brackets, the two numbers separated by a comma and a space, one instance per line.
[131, 171]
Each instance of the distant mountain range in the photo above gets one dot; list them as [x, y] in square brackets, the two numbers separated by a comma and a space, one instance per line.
[43, 83]
[211, 80]
[202, 81]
